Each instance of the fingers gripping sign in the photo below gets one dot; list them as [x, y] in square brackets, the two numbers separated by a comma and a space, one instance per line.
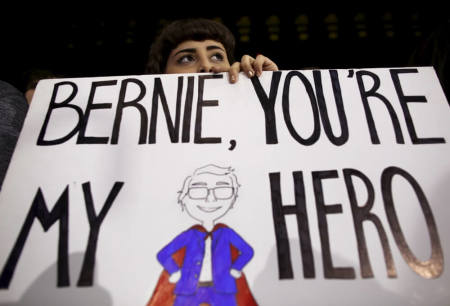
[251, 66]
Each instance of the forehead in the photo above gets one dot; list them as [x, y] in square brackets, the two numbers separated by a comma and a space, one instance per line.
[194, 44]
[209, 179]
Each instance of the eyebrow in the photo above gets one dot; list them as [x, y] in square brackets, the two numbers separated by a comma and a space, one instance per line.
[222, 183]
[213, 47]
[193, 50]
[198, 184]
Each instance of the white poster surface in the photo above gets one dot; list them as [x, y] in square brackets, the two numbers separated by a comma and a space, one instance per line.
[324, 187]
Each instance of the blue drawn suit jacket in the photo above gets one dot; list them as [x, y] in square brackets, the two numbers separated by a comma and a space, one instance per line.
[193, 240]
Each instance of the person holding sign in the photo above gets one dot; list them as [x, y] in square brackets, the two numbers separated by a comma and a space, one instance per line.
[205, 262]
[201, 45]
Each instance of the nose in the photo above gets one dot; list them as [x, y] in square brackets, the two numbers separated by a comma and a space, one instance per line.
[210, 197]
[205, 65]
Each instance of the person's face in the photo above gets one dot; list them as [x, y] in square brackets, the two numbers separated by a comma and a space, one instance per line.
[209, 197]
[198, 56]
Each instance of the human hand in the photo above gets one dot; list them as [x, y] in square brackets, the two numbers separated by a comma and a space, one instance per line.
[251, 67]
[235, 273]
[175, 277]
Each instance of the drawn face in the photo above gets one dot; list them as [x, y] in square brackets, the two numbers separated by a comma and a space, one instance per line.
[198, 56]
[209, 197]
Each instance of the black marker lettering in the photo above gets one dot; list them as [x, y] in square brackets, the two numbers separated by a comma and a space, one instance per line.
[365, 94]
[404, 100]
[268, 105]
[363, 213]
[82, 139]
[47, 219]
[64, 104]
[299, 210]
[121, 104]
[286, 110]
[203, 103]
[433, 267]
[322, 210]
[336, 140]
[87, 270]
[188, 110]
[173, 128]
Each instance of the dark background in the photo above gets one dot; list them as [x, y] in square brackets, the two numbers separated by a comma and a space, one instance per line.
[73, 40]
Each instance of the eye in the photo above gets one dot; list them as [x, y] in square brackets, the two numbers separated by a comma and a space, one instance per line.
[217, 57]
[185, 59]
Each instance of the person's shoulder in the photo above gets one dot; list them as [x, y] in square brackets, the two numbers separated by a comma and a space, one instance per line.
[11, 95]
[6, 89]
[13, 107]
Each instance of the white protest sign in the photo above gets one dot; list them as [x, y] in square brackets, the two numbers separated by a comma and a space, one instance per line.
[332, 187]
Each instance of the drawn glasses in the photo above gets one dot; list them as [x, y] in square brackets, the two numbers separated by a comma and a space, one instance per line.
[201, 193]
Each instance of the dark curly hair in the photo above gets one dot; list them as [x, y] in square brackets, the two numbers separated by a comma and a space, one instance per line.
[187, 29]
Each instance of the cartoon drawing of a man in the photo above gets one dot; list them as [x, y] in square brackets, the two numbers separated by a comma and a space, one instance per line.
[205, 262]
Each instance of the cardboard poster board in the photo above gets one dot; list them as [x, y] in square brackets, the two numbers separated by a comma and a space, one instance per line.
[335, 185]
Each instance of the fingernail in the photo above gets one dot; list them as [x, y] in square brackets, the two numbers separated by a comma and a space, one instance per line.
[250, 73]
[233, 79]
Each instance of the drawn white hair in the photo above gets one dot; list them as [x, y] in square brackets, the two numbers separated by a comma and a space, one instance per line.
[211, 169]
